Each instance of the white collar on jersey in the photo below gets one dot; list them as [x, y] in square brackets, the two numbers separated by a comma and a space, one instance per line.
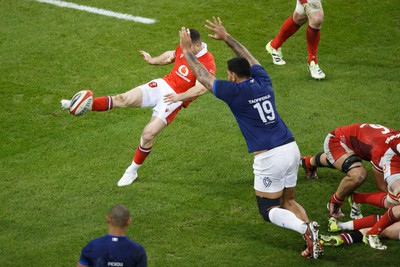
[203, 50]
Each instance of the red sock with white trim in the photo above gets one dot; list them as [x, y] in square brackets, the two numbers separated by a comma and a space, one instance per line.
[287, 30]
[141, 154]
[312, 37]
[376, 198]
[366, 222]
[337, 200]
[102, 103]
[386, 220]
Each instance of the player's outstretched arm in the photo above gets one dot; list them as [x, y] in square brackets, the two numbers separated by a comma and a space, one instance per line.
[201, 73]
[221, 34]
[163, 59]
[193, 92]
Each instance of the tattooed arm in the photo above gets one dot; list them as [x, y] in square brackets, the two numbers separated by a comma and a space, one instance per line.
[201, 73]
[221, 34]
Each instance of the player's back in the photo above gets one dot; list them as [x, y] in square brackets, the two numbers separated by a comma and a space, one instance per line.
[253, 104]
[369, 141]
[112, 250]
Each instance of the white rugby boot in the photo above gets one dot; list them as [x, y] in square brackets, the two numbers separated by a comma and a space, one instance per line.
[316, 71]
[129, 176]
[355, 208]
[374, 242]
[314, 247]
[277, 56]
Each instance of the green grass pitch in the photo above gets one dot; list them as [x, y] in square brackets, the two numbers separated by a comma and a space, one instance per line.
[193, 203]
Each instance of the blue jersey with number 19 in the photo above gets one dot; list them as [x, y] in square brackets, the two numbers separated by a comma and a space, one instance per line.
[252, 102]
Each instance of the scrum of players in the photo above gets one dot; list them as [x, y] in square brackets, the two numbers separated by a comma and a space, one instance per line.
[345, 149]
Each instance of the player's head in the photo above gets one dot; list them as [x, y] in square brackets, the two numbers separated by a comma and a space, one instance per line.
[238, 67]
[119, 216]
[195, 36]
[196, 41]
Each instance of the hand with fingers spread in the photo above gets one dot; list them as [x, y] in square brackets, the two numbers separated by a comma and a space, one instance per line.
[219, 31]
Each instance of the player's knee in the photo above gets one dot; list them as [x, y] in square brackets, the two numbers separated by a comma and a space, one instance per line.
[358, 174]
[299, 19]
[394, 191]
[316, 20]
[120, 100]
[148, 136]
[265, 205]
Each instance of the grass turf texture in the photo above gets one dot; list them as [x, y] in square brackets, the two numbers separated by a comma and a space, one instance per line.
[193, 203]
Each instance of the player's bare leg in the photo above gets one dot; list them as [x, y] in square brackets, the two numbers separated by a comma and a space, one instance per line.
[131, 98]
[292, 216]
[355, 178]
[289, 203]
[150, 132]
[379, 180]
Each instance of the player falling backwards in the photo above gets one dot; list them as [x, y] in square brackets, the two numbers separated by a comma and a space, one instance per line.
[151, 94]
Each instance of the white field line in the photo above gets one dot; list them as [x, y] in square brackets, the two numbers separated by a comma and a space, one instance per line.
[99, 11]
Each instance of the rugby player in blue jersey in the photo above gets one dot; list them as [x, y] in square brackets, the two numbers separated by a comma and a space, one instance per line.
[249, 94]
[114, 248]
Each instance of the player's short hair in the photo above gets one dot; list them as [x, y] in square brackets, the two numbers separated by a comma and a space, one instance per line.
[119, 216]
[195, 36]
[240, 66]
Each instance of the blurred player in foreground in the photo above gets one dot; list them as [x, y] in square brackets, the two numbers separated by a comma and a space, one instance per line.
[115, 248]
[306, 10]
[250, 96]
[151, 94]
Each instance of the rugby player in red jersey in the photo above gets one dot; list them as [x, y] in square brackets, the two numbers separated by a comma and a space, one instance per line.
[306, 11]
[346, 147]
[151, 94]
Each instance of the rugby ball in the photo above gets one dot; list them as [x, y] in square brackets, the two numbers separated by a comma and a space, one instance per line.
[81, 103]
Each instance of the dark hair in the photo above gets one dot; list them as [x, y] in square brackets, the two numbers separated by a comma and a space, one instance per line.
[240, 66]
[195, 36]
[119, 216]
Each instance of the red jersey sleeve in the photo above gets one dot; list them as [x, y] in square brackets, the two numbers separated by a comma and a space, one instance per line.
[369, 141]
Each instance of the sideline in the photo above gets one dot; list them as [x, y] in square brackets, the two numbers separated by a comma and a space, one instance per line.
[99, 11]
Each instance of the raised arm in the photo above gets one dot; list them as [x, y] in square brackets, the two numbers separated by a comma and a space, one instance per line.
[201, 73]
[163, 59]
[221, 34]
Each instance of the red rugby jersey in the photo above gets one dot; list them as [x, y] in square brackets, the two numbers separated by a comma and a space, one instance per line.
[369, 141]
[181, 78]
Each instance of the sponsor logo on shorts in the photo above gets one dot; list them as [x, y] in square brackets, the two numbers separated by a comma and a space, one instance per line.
[267, 182]
[153, 84]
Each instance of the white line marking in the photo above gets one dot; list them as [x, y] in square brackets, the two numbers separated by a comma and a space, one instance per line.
[98, 11]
